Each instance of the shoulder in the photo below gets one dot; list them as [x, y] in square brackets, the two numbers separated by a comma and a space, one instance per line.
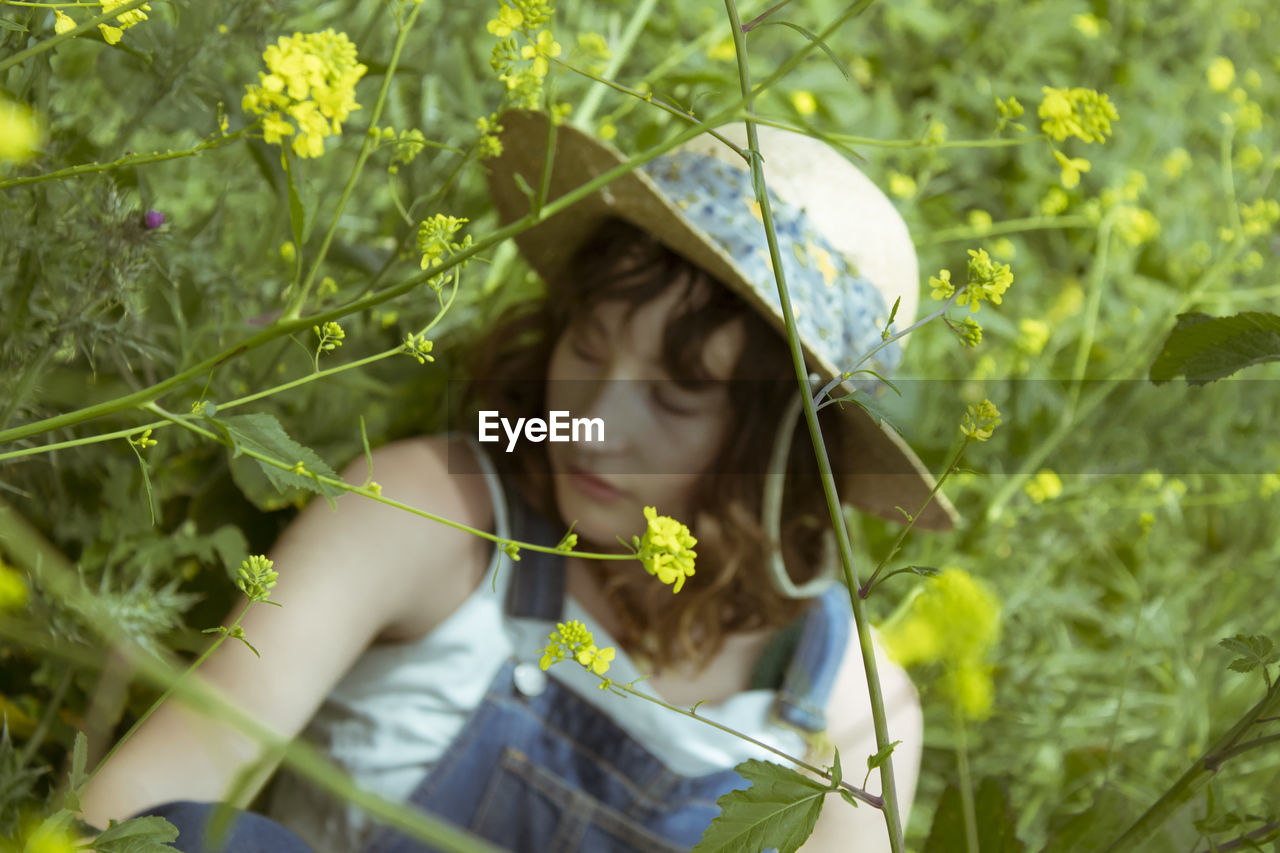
[435, 475]
[850, 728]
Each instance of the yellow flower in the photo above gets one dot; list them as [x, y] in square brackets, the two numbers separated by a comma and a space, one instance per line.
[1044, 487]
[1084, 113]
[1087, 25]
[804, 102]
[666, 549]
[951, 618]
[1032, 335]
[1175, 163]
[20, 131]
[508, 21]
[1220, 73]
[572, 639]
[1136, 225]
[62, 22]
[1071, 168]
[903, 186]
[941, 284]
[987, 280]
[980, 421]
[310, 78]
[970, 688]
[544, 48]
[13, 589]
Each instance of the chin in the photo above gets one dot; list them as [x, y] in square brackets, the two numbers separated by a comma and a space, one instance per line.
[597, 524]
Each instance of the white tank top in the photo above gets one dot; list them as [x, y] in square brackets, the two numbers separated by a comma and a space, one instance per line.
[396, 710]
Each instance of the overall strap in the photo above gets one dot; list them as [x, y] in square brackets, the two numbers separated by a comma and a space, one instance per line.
[820, 642]
[537, 587]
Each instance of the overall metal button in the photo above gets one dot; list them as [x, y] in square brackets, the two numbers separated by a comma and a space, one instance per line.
[529, 679]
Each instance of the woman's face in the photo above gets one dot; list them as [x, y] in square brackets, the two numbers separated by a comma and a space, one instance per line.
[659, 438]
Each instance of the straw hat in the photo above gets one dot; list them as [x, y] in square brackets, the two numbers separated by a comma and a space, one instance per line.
[845, 250]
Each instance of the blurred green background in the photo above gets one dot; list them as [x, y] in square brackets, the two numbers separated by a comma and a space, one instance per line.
[1116, 587]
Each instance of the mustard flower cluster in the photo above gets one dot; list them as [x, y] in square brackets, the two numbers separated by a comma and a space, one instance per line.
[1045, 486]
[419, 347]
[987, 280]
[311, 78]
[526, 17]
[144, 441]
[572, 639]
[1007, 110]
[1083, 113]
[436, 241]
[331, 336]
[980, 421]
[255, 577]
[666, 550]
[407, 146]
[954, 620]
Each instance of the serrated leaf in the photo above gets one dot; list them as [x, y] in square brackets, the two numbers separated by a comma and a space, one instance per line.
[995, 820]
[262, 433]
[1204, 348]
[145, 834]
[1258, 650]
[779, 810]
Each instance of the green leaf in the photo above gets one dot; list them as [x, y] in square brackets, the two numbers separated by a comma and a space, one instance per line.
[11, 25]
[1258, 650]
[297, 210]
[1093, 830]
[779, 810]
[836, 773]
[145, 834]
[1205, 348]
[994, 818]
[874, 761]
[146, 487]
[262, 434]
[79, 757]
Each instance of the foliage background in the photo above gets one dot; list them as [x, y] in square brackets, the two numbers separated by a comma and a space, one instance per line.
[1108, 678]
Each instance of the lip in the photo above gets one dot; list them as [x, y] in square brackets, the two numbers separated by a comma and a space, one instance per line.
[591, 485]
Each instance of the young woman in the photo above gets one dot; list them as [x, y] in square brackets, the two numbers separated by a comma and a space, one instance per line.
[409, 651]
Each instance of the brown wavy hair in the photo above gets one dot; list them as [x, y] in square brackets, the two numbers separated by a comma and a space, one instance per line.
[731, 591]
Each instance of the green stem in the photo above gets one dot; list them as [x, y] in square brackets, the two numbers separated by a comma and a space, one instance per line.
[591, 101]
[847, 139]
[126, 162]
[53, 41]
[966, 786]
[865, 796]
[893, 820]
[1096, 279]
[866, 588]
[1196, 776]
[1008, 226]
[299, 298]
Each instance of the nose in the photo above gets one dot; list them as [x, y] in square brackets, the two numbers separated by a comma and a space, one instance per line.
[616, 397]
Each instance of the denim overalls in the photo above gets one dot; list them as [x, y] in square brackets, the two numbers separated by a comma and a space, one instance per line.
[537, 768]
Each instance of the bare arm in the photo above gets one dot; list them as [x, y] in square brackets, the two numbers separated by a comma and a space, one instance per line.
[842, 827]
[344, 577]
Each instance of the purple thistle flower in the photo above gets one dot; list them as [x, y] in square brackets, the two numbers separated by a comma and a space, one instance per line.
[154, 219]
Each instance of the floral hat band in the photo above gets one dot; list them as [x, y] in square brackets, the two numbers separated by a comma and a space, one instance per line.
[838, 312]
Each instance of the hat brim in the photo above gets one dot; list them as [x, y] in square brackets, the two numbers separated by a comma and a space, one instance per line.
[887, 473]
